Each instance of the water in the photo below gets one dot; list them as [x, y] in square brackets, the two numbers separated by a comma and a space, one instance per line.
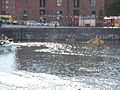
[60, 66]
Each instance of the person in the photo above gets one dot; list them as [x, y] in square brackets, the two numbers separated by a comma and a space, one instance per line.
[55, 24]
[4, 37]
[0, 24]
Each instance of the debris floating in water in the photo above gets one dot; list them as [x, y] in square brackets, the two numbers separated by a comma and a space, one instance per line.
[90, 69]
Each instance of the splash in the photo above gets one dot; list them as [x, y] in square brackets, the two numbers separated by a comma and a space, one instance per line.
[41, 81]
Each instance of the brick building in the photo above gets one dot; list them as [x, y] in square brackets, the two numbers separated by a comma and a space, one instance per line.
[52, 9]
[7, 6]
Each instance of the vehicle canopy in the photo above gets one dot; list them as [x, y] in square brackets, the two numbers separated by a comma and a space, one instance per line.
[7, 19]
[111, 17]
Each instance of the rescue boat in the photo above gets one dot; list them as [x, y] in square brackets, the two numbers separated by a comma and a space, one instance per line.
[95, 41]
[6, 45]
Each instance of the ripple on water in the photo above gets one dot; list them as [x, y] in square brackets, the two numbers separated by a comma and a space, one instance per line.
[62, 66]
[42, 81]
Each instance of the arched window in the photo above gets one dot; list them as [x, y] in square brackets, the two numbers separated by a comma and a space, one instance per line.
[93, 13]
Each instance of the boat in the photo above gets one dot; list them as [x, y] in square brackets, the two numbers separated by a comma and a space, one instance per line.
[95, 40]
[6, 45]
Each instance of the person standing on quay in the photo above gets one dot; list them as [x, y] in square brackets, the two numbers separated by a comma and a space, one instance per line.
[0, 23]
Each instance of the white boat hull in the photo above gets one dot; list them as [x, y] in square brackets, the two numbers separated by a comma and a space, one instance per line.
[6, 45]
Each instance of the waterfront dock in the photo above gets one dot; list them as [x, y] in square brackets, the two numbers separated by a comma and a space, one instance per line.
[47, 33]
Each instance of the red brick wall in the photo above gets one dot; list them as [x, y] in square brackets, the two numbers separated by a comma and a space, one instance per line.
[52, 8]
[32, 8]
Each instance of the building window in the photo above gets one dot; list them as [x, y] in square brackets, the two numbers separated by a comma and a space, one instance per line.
[26, 3]
[59, 2]
[42, 3]
[76, 12]
[2, 2]
[59, 13]
[76, 3]
[7, 2]
[7, 7]
[42, 12]
[2, 6]
[13, 6]
[25, 14]
[93, 2]
[3, 12]
[93, 13]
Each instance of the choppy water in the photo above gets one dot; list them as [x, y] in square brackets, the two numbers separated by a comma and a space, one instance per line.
[60, 66]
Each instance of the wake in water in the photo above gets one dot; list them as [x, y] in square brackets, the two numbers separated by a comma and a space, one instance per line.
[40, 81]
[55, 59]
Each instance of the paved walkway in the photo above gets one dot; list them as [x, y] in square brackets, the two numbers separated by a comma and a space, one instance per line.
[24, 26]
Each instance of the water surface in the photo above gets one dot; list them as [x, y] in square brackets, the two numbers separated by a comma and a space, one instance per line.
[61, 66]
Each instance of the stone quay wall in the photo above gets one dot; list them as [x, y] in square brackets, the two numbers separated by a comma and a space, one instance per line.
[60, 33]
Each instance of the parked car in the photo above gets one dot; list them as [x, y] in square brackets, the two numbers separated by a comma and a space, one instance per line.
[14, 22]
[46, 24]
[32, 23]
[21, 22]
[54, 23]
[36, 24]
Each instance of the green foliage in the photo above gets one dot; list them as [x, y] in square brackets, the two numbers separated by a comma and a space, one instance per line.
[101, 14]
[114, 9]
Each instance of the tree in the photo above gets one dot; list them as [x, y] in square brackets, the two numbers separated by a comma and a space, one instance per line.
[114, 9]
[101, 14]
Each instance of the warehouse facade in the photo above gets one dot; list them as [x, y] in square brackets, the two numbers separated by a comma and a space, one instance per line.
[51, 10]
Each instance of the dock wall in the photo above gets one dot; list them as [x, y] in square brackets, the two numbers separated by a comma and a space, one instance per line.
[64, 33]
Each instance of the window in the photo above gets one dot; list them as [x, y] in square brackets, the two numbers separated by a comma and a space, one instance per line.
[2, 2]
[7, 7]
[42, 3]
[93, 2]
[25, 13]
[3, 12]
[93, 13]
[7, 2]
[59, 13]
[76, 12]
[25, 3]
[13, 6]
[42, 12]
[76, 3]
[2, 6]
[4, 18]
[59, 2]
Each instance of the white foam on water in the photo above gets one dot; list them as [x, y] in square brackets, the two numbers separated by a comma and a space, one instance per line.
[35, 81]
[36, 43]
[7, 61]
[66, 49]
[40, 81]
